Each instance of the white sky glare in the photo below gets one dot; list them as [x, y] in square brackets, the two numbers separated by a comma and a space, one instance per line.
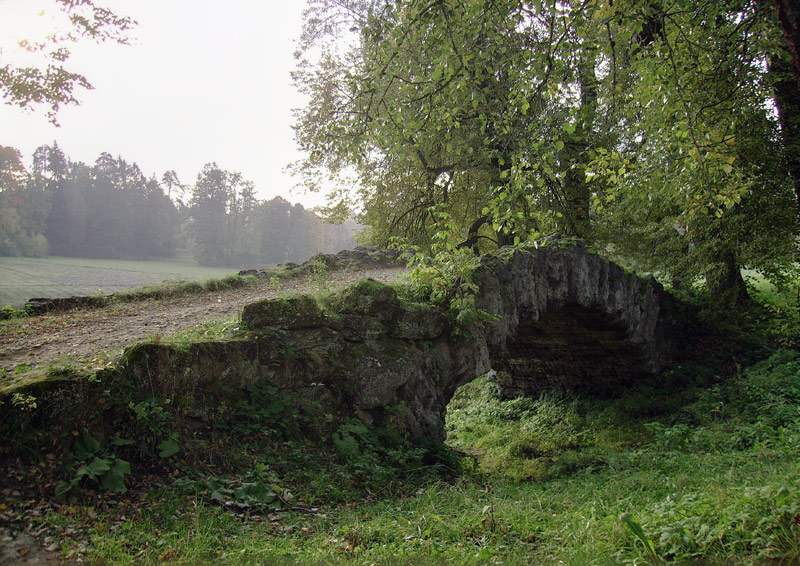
[202, 81]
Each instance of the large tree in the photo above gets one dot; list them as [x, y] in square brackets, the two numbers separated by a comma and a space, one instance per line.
[107, 210]
[789, 16]
[645, 127]
[707, 183]
[487, 109]
[222, 210]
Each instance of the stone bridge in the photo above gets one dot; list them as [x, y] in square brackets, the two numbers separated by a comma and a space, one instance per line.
[562, 317]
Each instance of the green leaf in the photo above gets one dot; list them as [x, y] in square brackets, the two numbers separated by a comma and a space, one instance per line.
[86, 446]
[94, 469]
[254, 493]
[634, 527]
[168, 448]
[114, 479]
[98, 466]
[559, 145]
[222, 494]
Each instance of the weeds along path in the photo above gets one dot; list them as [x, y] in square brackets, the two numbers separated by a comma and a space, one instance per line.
[93, 337]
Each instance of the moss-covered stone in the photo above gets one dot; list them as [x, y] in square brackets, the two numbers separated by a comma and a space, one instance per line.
[360, 328]
[368, 297]
[289, 313]
[37, 380]
[420, 322]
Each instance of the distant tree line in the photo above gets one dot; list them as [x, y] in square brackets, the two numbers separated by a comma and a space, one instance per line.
[112, 210]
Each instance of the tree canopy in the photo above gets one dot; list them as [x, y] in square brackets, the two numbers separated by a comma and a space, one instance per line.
[662, 131]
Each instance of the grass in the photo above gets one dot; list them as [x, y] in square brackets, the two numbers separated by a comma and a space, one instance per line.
[659, 474]
[128, 280]
[713, 478]
[210, 330]
[24, 278]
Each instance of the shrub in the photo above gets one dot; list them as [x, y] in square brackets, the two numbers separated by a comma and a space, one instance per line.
[8, 313]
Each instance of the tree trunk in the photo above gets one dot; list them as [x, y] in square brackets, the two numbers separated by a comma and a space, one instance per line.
[789, 17]
[573, 156]
[787, 103]
[725, 283]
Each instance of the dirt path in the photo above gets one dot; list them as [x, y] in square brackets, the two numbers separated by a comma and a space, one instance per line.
[95, 335]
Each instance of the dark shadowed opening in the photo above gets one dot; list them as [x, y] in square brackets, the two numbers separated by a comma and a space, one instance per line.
[572, 348]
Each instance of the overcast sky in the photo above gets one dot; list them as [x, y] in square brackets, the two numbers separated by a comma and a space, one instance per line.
[202, 81]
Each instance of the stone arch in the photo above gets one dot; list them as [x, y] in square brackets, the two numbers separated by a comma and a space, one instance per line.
[569, 318]
[561, 317]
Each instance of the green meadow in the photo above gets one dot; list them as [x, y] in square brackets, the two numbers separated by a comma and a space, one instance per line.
[24, 278]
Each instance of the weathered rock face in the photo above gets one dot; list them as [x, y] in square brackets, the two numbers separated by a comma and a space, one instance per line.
[569, 318]
[375, 357]
[563, 318]
[44, 305]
